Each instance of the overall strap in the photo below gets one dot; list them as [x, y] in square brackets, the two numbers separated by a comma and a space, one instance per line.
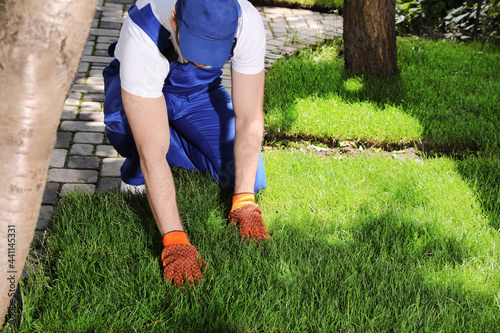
[148, 22]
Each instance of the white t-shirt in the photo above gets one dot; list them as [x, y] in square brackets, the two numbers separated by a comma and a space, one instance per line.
[143, 68]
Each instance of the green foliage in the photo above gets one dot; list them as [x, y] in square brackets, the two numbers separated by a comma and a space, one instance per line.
[455, 17]
[460, 22]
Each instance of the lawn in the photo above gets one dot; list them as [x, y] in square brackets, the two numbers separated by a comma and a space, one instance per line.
[359, 243]
[446, 96]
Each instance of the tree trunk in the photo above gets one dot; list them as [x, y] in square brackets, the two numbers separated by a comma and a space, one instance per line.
[41, 43]
[370, 36]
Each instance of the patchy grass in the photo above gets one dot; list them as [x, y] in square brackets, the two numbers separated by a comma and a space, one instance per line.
[358, 244]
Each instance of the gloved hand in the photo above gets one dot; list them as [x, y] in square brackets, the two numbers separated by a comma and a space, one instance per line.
[247, 216]
[181, 260]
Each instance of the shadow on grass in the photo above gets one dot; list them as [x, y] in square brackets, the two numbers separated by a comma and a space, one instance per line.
[376, 280]
[483, 175]
[451, 89]
[373, 279]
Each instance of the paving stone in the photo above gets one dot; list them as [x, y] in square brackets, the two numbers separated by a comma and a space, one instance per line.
[50, 194]
[101, 46]
[106, 151]
[105, 32]
[100, 59]
[88, 137]
[91, 115]
[112, 19]
[111, 167]
[72, 176]
[83, 162]
[73, 99]
[111, 6]
[69, 112]
[87, 50]
[107, 40]
[107, 184]
[88, 88]
[58, 158]
[82, 126]
[99, 66]
[110, 25]
[90, 106]
[63, 139]
[67, 188]
[80, 78]
[101, 53]
[99, 80]
[44, 217]
[83, 67]
[81, 149]
[95, 72]
[113, 11]
[95, 97]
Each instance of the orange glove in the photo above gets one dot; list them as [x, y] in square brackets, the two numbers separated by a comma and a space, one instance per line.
[181, 260]
[247, 216]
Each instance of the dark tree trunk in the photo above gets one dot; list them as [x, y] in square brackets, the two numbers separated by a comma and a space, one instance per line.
[41, 43]
[370, 36]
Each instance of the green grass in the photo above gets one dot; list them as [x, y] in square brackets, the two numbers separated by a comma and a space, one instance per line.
[358, 244]
[446, 95]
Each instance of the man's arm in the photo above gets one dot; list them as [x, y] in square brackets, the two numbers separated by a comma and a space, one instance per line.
[248, 96]
[148, 120]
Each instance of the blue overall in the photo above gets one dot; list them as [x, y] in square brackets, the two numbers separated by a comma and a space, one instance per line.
[200, 113]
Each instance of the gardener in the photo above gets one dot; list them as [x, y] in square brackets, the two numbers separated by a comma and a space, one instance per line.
[164, 87]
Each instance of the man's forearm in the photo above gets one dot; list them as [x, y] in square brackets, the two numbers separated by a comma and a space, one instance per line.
[149, 123]
[248, 94]
[160, 190]
[247, 145]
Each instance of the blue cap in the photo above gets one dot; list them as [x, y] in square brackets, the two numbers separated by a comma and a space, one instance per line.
[206, 30]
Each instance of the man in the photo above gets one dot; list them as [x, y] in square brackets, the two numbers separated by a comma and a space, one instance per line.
[164, 87]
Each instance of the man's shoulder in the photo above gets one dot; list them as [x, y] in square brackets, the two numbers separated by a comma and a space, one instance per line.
[247, 7]
[161, 9]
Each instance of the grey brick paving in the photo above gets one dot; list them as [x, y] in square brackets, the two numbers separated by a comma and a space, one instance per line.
[106, 151]
[44, 217]
[88, 137]
[84, 162]
[106, 183]
[50, 194]
[90, 106]
[58, 158]
[69, 112]
[67, 188]
[72, 176]
[111, 167]
[81, 149]
[63, 139]
[82, 126]
[95, 115]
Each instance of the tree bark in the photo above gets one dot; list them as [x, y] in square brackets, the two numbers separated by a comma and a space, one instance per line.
[370, 36]
[41, 43]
